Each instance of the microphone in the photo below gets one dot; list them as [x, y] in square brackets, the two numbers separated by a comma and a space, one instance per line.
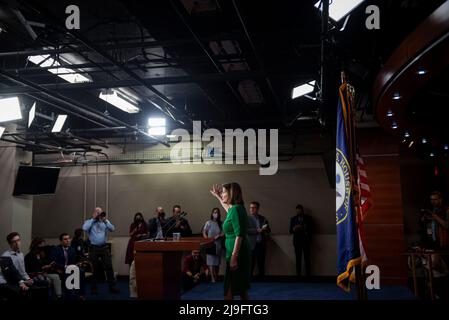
[172, 223]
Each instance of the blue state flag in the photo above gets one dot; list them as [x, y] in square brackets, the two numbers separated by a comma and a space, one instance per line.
[347, 236]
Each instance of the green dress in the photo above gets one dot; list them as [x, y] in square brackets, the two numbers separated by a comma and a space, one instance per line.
[236, 224]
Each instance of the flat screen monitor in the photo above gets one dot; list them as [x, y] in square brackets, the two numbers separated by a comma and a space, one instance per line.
[36, 180]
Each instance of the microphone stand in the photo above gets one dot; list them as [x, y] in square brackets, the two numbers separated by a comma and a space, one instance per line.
[182, 215]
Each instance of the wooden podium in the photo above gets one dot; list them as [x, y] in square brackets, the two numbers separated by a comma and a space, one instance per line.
[158, 266]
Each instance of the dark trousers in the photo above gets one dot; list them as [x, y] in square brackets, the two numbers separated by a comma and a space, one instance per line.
[100, 256]
[188, 283]
[258, 257]
[302, 247]
[13, 293]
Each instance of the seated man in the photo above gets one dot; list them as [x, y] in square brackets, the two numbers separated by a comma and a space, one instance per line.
[39, 287]
[194, 271]
[12, 287]
[64, 255]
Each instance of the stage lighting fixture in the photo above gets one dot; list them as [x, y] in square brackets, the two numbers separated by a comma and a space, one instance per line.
[59, 123]
[10, 109]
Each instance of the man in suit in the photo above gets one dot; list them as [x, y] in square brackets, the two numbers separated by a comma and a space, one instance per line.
[156, 224]
[258, 231]
[12, 287]
[64, 255]
[301, 228]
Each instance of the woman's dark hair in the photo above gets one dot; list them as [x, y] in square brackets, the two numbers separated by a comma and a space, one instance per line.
[218, 218]
[235, 192]
[138, 214]
[34, 246]
[78, 233]
[300, 207]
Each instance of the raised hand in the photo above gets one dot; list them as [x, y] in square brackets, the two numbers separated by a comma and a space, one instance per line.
[216, 191]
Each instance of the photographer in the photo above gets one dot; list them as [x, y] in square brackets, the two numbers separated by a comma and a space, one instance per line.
[434, 223]
[194, 270]
[97, 229]
[178, 224]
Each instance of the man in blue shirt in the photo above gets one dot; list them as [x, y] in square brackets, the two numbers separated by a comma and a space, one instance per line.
[97, 229]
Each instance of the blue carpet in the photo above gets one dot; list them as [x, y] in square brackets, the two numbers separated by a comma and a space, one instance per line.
[298, 291]
[104, 294]
[268, 291]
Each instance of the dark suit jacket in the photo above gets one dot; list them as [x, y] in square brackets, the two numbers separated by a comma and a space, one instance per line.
[152, 227]
[170, 228]
[299, 237]
[9, 271]
[252, 230]
[59, 258]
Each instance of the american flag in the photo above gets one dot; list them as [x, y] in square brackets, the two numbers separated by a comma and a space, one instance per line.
[365, 201]
[365, 192]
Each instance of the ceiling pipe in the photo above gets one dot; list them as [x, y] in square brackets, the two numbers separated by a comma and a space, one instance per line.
[105, 45]
[41, 146]
[101, 51]
[200, 78]
[78, 108]
[130, 73]
[258, 58]
[217, 67]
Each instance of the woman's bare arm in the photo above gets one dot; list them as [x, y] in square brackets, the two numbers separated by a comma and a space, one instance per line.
[215, 191]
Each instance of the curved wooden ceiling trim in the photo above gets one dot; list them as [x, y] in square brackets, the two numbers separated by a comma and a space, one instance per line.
[421, 56]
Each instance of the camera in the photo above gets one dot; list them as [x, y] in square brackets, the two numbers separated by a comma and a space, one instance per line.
[101, 215]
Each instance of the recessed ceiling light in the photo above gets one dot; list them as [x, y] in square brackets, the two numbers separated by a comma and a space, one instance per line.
[407, 134]
[424, 140]
[69, 75]
[422, 72]
[396, 96]
[119, 100]
[394, 125]
[389, 113]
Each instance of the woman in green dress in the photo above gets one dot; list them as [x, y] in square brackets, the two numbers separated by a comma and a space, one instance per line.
[238, 254]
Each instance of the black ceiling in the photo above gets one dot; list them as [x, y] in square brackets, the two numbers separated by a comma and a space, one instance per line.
[174, 56]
